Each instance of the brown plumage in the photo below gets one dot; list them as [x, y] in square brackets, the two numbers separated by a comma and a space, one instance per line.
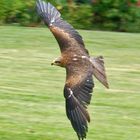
[79, 67]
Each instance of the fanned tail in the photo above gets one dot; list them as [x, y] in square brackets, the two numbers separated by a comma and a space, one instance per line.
[48, 12]
[99, 70]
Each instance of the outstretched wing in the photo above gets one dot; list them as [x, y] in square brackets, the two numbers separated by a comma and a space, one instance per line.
[77, 92]
[64, 33]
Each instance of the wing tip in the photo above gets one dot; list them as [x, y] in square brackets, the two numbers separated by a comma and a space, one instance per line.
[77, 114]
[47, 12]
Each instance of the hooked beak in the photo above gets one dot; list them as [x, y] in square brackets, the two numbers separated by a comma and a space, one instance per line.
[56, 62]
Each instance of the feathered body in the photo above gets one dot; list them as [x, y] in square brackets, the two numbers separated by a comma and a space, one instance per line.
[79, 67]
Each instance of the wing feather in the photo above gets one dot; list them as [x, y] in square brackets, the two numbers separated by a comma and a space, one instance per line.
[77, 115]
[77, 93]
[64, 33]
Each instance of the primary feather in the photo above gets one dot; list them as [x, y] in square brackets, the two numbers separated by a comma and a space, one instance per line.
[64, 33]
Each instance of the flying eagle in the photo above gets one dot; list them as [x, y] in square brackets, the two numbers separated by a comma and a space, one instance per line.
[79, 67]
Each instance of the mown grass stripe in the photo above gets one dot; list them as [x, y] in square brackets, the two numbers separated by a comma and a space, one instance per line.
[32, 105]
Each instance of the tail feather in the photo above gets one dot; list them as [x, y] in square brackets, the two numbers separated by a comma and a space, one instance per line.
[99, 70]
[48, 12]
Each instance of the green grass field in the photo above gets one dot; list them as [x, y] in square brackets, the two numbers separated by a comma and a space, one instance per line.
[32, 105]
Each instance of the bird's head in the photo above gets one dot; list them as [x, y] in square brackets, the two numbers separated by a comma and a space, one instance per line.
[57, 62]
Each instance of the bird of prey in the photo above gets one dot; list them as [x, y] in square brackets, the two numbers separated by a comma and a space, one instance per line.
[79, 67]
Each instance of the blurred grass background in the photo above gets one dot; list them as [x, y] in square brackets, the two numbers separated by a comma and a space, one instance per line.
[110, 15]
[32, 105]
